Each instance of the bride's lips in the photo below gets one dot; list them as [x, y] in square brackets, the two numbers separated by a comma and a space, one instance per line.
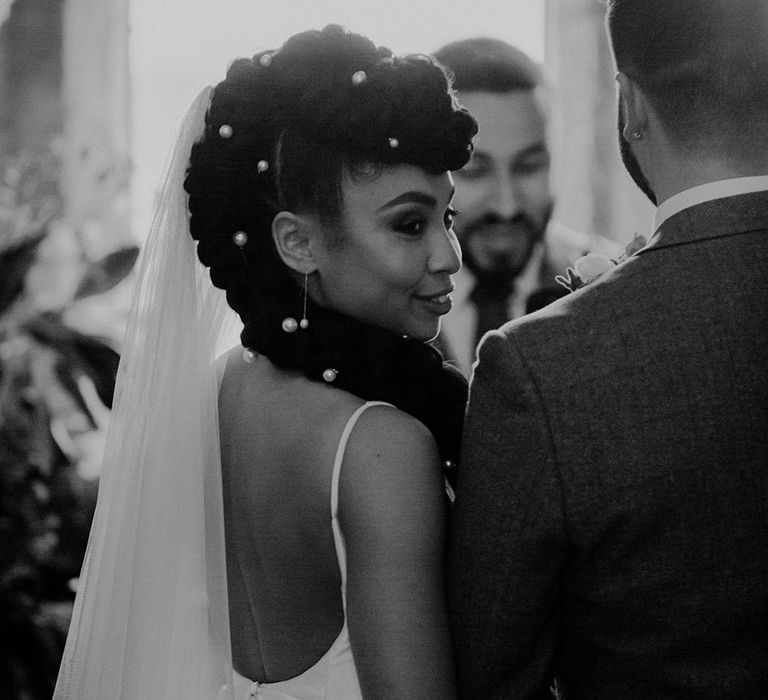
[439, 302]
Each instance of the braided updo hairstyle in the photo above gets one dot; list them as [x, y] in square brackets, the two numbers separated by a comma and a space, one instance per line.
[281, 132]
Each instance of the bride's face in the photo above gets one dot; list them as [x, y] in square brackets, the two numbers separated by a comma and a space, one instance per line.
[396, 253]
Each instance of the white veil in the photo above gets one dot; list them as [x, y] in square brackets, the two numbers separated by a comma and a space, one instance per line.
[151, 617]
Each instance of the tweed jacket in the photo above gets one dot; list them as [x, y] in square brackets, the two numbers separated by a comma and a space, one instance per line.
[611, 522]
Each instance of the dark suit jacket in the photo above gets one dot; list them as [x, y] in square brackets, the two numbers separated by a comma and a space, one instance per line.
[611, 522]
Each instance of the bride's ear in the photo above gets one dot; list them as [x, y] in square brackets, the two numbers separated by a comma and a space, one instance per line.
[295, 239]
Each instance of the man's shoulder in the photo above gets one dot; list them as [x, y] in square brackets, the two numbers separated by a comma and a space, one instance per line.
[582, 322]
[572, 308]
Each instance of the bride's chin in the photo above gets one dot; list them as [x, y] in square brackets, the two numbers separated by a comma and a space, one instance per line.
[425, 335]
[418, 329]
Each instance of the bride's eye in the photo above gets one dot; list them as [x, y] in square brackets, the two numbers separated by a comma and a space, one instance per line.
[411, 225]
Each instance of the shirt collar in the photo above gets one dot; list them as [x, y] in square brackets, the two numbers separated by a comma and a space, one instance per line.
[707, 192]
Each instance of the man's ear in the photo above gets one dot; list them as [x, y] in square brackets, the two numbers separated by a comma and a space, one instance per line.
[295, 239]
[632, 103]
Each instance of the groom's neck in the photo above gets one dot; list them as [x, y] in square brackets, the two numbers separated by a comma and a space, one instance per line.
[672, 169]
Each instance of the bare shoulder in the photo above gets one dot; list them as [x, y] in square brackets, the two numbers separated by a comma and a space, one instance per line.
[391, 468]
[386, 438]
[231, 369]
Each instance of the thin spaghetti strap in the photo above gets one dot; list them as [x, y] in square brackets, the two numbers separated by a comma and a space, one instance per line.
[340, 453]
[338, 538]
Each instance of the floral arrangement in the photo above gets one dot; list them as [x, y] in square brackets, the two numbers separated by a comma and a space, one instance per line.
[590, 267]
[56, 386]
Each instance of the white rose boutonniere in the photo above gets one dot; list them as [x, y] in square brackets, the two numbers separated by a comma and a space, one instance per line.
[591, 267]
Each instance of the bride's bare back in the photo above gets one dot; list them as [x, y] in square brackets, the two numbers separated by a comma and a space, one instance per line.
[277, 445]
[279, 435]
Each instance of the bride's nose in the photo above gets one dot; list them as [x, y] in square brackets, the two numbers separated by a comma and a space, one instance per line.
[445, 253]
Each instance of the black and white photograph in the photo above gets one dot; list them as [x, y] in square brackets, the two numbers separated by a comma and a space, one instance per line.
[383, 350]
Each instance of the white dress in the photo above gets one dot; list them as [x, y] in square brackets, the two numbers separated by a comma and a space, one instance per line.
[333, 676]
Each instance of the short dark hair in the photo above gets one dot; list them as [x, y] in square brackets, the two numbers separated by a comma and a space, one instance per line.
[483, 64]
[701, 63]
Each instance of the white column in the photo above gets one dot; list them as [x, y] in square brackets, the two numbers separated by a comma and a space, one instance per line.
[96, 160]
[594, 192]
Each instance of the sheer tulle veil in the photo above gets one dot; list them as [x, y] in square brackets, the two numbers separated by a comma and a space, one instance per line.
[150, 618]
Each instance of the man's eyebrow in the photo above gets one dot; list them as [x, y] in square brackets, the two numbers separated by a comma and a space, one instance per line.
[533, 150]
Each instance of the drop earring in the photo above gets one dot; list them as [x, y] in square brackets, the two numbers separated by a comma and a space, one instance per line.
[289, 324]
[304, 323]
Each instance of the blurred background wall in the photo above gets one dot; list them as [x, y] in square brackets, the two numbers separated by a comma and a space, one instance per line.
[594, 192]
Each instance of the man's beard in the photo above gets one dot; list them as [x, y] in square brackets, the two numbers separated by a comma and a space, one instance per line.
[500, 268]
[631, 164]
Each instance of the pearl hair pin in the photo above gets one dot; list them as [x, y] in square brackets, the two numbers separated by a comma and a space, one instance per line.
[290, 325]
[359, 77]
[262, 166]
[240, 239]
[226, 131]
[329, 375]
[393, 142]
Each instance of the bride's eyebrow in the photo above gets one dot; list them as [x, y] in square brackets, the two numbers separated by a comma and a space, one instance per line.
[410, 197]
[414, 197]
